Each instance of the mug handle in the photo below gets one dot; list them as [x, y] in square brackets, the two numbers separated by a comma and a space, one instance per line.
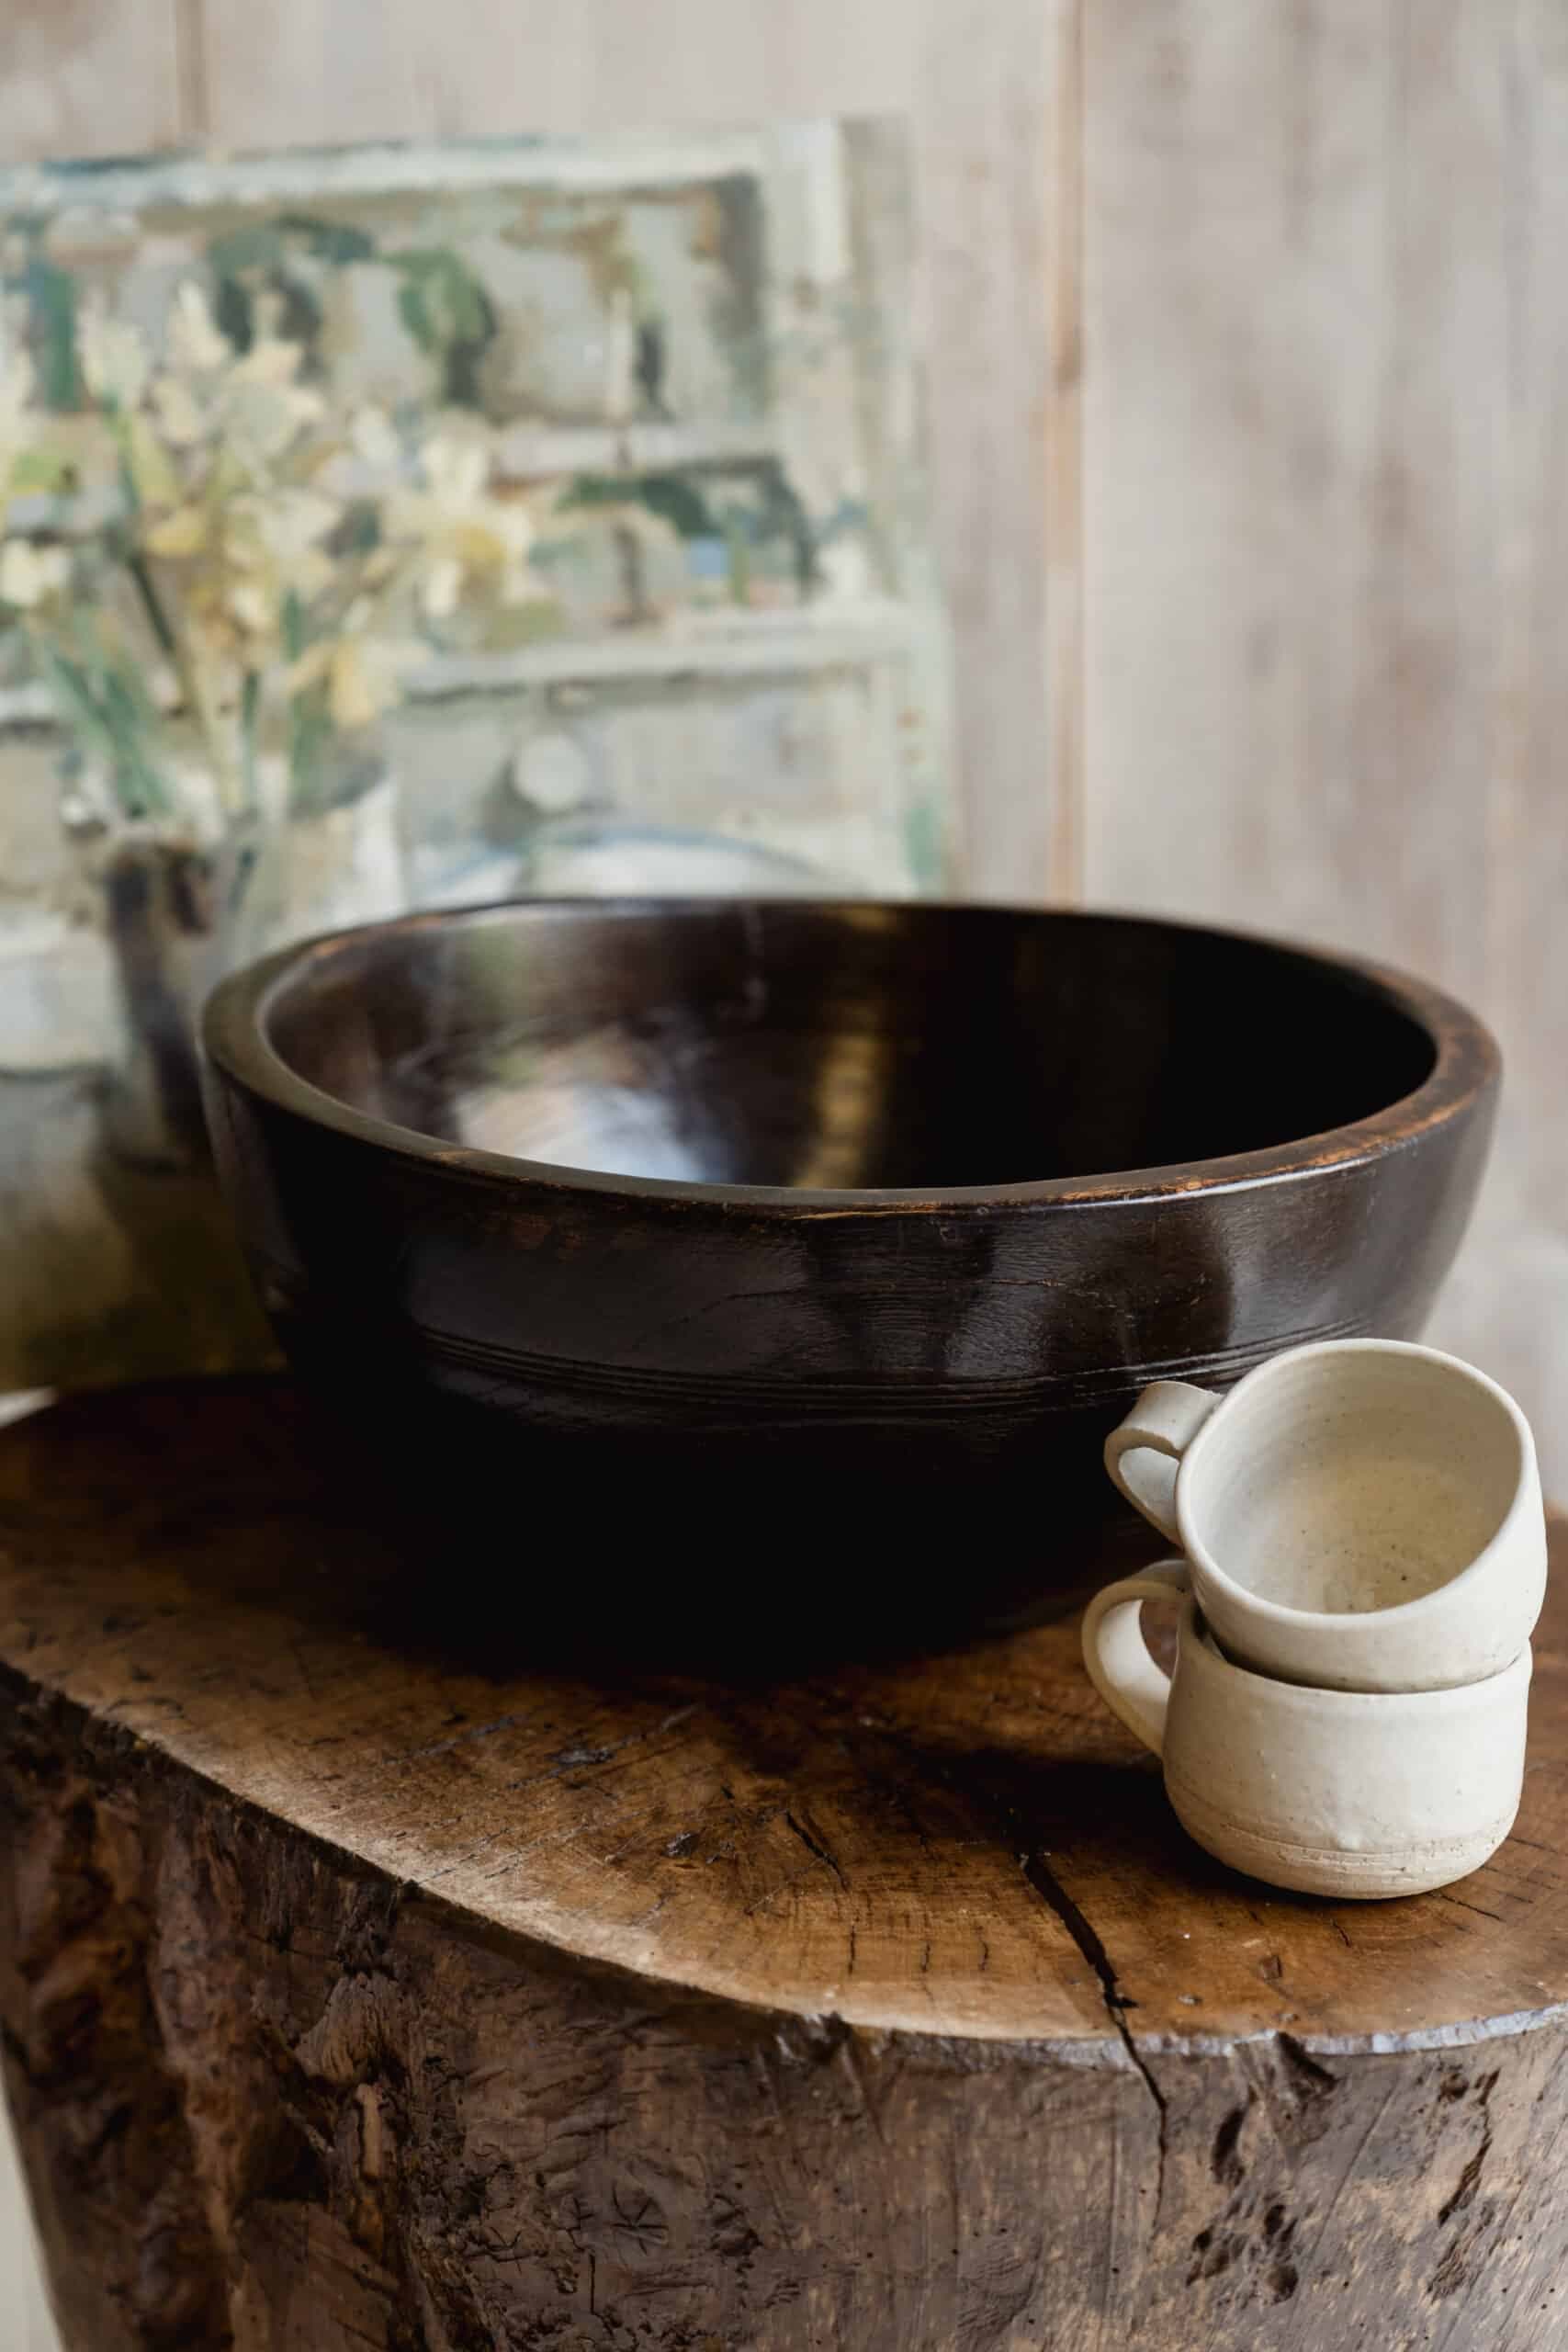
[1163, 1423]
[1119, 1663]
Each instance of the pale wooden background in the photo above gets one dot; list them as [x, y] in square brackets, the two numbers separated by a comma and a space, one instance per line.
[1247, 325]
[1324, 545]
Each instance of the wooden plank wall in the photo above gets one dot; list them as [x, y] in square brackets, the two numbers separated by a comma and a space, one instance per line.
[1247, 333]
[1325, 557]
[91, 77]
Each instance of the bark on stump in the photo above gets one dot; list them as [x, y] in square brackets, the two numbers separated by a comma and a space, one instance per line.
[363, 1987]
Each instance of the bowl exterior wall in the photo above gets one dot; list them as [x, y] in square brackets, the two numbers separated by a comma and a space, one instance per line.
[894, 1373]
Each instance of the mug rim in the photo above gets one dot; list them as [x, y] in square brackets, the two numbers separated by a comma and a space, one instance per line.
[1315, 1698]
[1282, 1613]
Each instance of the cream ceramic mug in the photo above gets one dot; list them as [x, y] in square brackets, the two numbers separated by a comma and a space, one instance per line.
[1344, 1793]
[1359, 1514]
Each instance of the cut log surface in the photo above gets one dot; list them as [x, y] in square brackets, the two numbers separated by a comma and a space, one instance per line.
[366, 1982]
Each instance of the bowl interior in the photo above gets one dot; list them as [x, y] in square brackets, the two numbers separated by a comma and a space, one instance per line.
[853, 1047]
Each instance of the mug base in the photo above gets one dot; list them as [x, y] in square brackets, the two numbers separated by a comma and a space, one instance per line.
[1351, 1873]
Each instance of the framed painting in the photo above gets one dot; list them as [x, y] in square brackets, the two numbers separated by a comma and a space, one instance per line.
[408, 527]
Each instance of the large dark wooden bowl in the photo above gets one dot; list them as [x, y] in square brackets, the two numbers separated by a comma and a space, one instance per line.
[670, 1245]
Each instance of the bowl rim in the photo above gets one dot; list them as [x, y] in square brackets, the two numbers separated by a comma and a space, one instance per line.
[1466, 1069]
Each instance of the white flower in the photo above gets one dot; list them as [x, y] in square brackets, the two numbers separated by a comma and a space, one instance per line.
[288, 522]
[30, 575]
[354, 693]
[264, 409]
[441, 587]
[456, 469]
[255, 403]
[251, 606]
[362, 674]
[273, 536]
[194, 340]
[518, 584]
[179, 414]
[258, 424]
[459, 528]
[114, 357]
[375, 439]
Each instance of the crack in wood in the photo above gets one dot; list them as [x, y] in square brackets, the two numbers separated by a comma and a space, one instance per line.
[1460, 1902]
[816, 1845]
[1470, 2179]
[1053, 1895]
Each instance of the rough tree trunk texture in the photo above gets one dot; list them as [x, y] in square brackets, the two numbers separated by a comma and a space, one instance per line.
[363, 1986]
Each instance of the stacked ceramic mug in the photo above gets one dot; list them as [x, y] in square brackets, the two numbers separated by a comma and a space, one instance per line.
[1364, 1560]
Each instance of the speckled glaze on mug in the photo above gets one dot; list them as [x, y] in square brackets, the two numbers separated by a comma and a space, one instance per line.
[1358, 1515]
[1341, 1792]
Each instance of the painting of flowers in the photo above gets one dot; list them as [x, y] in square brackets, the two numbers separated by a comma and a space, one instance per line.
[407, 526]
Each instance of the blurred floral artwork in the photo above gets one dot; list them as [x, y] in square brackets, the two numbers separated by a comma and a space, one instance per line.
[411, 526]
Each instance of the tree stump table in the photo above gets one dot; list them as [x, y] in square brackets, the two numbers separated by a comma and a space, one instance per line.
[365, 1985]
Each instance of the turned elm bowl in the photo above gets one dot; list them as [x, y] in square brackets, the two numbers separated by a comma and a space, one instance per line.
[656, 1244]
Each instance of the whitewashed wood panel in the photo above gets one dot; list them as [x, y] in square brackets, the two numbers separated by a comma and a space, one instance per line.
[1325, 440]
[1295, 312]
[1510, 1304]
[321, 71]
[90, 77]
[996, 236]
